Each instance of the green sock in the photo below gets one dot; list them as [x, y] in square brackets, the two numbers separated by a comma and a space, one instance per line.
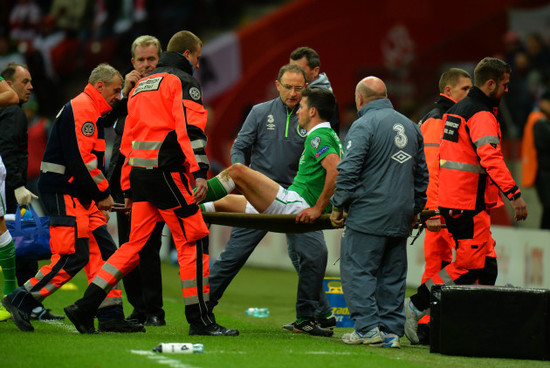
[7, 262]
[215, 190]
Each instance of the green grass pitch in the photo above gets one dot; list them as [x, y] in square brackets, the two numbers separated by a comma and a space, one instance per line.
[262, 342]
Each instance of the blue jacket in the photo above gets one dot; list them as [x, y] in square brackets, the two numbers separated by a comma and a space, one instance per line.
[383, 176]
[275, 141]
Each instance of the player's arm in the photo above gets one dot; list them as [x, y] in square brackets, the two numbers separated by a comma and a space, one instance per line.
[7, 94]
[309, 215]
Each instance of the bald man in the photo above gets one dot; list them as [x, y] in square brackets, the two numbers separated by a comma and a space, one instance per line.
[381, 184]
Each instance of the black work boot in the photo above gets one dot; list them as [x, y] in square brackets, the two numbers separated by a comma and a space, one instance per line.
[20, 317]
[83, 322]
[212, 329]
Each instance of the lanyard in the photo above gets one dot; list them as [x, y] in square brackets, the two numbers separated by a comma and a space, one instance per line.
[288, 114]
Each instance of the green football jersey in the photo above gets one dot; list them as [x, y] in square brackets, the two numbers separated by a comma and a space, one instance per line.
[310, 179]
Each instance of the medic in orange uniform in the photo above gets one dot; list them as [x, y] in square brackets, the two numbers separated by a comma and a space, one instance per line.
[164, 144]
[74, 191]
[454, 85]
[472, 175]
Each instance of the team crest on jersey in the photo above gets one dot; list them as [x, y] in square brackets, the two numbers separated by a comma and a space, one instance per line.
[302, 132]
[270, 120]
[315, 142]
[195, 93]
[88, 129]
[348, 145]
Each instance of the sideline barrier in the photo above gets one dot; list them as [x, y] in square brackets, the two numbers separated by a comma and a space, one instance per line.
[523, 254]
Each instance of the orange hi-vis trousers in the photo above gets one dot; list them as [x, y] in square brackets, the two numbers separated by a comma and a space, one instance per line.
[164, 196]
[438, 252]
[474, 243]
[475, 260]
[78, 239]
[143, 220]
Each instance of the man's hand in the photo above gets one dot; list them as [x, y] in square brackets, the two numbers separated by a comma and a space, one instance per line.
[414, 222]
[308, 216]
[337, 218]
[106, 204]
[433, 224]
[24, 196]
[128, 204]
[520, 209]
[106, 214]
[130, 81]
[202, 189]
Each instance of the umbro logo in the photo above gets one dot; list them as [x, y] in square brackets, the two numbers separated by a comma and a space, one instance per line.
[401, 156]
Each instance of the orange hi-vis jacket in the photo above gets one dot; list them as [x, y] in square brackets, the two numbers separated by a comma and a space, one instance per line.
[431, 126]
[472, 167]
[529, 161]
[74, 160]
[166, 122]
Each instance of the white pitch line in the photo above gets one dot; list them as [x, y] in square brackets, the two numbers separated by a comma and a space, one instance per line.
[59, 323]
[161, 359]
[328, 352]
[293, 352]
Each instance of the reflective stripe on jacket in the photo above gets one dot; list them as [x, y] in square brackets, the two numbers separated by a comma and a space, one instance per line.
[74, 159]
[166, 121]
[431, 126]
[472, 167]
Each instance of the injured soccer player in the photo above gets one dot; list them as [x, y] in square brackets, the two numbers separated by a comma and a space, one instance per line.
[307, 198]
[309, 194]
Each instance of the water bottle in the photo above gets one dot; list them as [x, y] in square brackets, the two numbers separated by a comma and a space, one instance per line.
[179, 348]
[257, 312]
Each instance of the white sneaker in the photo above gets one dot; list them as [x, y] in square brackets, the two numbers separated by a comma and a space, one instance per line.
[413, 315]
[354, 338]
[389, 341]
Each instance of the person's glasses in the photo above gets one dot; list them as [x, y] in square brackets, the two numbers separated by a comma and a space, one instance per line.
[296, 89]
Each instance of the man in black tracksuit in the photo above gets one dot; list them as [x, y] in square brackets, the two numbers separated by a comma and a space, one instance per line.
[14, 153]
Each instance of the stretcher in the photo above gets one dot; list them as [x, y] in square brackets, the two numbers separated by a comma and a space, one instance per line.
[279, 223]
[273, 223]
